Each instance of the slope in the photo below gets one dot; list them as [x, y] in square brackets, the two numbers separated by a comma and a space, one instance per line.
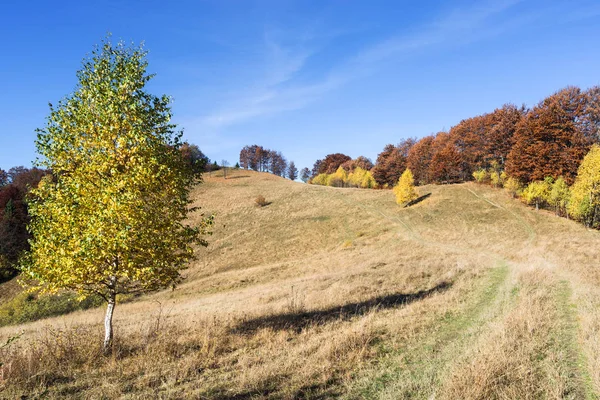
[329, 292]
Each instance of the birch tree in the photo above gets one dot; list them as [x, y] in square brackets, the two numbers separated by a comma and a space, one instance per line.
[111, 219]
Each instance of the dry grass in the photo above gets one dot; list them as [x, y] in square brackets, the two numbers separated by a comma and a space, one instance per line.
[522, 355]
[341, 293]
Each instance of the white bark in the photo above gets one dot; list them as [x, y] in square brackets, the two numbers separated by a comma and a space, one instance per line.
[108, 325]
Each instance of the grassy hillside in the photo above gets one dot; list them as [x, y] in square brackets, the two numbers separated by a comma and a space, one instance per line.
[331, 292]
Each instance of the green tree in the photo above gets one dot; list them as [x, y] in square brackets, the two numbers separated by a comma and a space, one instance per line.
[111, 219]
[405, 190]
[585, 193]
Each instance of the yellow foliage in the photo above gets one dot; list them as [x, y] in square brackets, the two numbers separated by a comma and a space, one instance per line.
[112, 217]
[361, 178]
[513, 186]
[585, 192]
[338, 178]
[405, 190]
[536, 193]
[320, 179]
[480, 175]
[559, 196]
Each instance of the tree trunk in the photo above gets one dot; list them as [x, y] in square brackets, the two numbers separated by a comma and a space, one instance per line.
[108, 325]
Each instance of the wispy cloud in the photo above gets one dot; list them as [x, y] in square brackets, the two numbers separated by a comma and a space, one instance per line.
[281, 89]
[459, 23]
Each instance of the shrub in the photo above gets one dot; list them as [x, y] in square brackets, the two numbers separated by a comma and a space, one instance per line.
[559, 196]
[261, 201]
[536, 193]
[513, 186]
[497, 179]
[480, 175]
[27, 307]
[320, 179]
[338, 179]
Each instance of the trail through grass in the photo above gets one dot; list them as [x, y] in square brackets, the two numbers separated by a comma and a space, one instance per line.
[415, 369]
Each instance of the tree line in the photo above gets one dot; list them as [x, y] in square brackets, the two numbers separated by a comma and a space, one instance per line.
[547, 140]
[15, 185]
[547, 155]
[580, 201]
[258, 158]
[528, 144]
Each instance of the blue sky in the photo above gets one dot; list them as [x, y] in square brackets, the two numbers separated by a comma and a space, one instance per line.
[306, 78]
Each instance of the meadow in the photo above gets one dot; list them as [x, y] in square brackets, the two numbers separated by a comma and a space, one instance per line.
[340, 292]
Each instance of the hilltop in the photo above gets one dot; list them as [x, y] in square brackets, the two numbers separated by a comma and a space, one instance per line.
[341, 292]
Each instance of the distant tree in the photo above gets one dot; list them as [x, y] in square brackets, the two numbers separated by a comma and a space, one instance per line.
[14, 172]
[224, 165]
[14, 217]
[481, 176]
[590, 120]
[499, 138]
[3, 177]
[245, 157]
[537, 193]
[559, 196]
[391, 162]
[405, 190]
[316, 168]
[361, 178]
[338, 179]
[496, 175]
[304, 174]
[194, 157]
[359, 162]
[292, 171]
[332, 162]
[278, 164]
[419, 158]
[584, 202]
[513, 186]
[468, 137]
[446, 163]
[381, 170]
[13, 229]
[485, 139]
[258, 158]
[111, 219]
[320, 179]
[548, 141]
[237, 165]
[254, 157]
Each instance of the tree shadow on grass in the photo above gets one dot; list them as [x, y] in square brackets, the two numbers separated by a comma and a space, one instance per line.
[297, 321]
[238, 176]
[417, 200]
